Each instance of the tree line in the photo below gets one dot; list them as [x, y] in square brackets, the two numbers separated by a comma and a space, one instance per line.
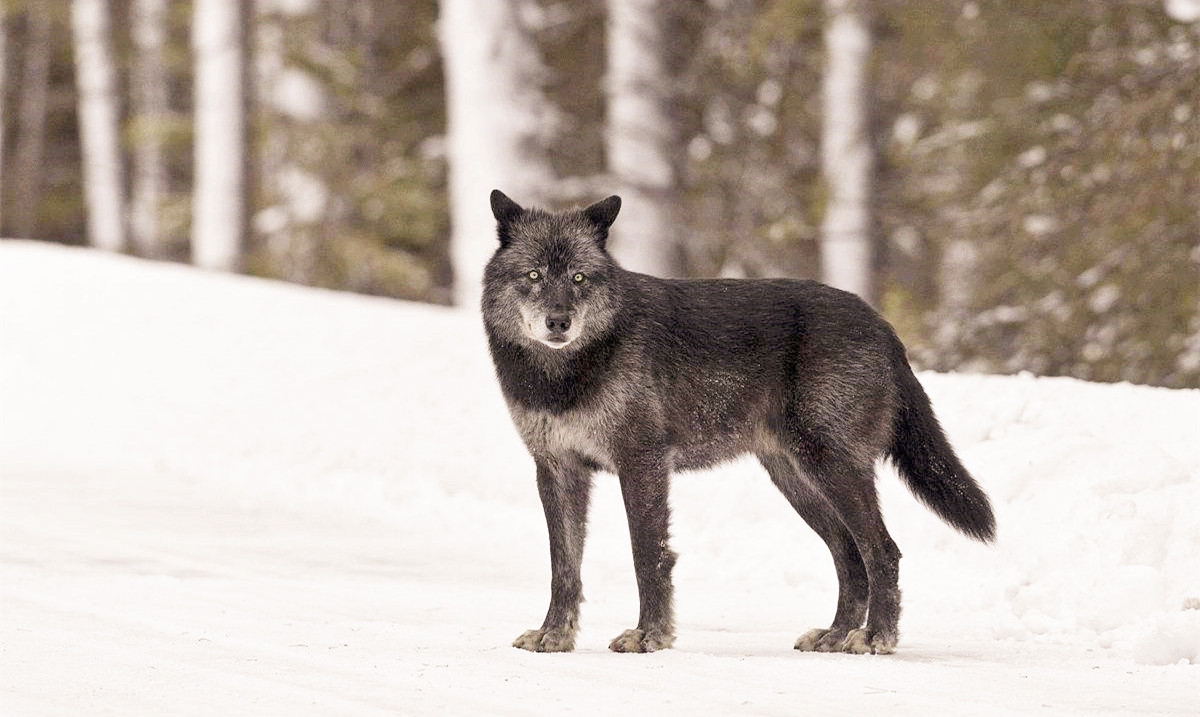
[1014, 184]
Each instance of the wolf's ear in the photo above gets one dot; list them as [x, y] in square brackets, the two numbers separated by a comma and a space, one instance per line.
[604, 212]
[503, 208]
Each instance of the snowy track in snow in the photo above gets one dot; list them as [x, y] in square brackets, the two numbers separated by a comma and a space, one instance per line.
[221, 495]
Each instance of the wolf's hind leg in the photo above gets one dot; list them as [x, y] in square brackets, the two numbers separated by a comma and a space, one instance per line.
[853, 588]
[565, 489]
[848, 485]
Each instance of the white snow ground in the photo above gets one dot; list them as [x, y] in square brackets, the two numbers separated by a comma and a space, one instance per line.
[220, 495]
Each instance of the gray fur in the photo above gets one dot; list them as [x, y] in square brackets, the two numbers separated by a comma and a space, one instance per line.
[605, 369]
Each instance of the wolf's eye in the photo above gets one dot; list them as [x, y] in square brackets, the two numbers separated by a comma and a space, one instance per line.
[534, 275]
[579, 277]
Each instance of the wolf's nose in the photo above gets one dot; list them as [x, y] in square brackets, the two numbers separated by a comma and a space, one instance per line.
[558, 321]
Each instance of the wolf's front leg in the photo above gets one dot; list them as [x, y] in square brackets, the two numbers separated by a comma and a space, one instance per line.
[564, 488]
[644, 487]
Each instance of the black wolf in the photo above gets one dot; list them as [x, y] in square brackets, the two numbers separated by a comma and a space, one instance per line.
[607, 369]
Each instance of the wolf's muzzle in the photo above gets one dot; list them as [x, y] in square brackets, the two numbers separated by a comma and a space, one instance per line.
[558, 321]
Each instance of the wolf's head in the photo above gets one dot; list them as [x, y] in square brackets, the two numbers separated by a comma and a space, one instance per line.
[551, 280]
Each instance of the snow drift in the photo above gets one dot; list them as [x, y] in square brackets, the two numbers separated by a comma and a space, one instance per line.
[218, 492]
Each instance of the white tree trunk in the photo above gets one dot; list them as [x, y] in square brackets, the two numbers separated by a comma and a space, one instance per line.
[497, 118]
[958, 275]
[641, 139]
[150, 105]
[95, 74]
[847, 152]
[218, 201]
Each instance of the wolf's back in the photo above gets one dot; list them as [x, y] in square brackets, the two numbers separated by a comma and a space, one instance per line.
[929, 466]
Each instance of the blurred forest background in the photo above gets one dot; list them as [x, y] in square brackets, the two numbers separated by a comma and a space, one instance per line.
[1031, 197]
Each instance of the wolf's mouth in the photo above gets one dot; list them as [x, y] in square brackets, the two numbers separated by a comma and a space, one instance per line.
[556, 340]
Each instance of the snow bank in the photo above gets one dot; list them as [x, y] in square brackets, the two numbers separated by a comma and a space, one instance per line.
[386, 413]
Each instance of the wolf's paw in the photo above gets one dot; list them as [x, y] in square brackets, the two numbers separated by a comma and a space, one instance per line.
[639, 641]
[546, 641]
[823, 640]
[864, 642]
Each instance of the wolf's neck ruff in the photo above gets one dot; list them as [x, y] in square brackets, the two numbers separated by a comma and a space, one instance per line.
[547, 379]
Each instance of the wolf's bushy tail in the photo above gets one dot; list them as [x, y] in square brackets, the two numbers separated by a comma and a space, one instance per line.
[929, 466]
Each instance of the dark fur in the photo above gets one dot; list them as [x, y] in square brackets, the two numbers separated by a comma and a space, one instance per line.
[662, 375]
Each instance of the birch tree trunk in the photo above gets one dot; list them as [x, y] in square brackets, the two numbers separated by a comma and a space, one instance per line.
[99, 133]
[958, 275]
[219, 194]
[498, 118]
[31, 132]
[150, 108]
[847, 152]
[641, 139]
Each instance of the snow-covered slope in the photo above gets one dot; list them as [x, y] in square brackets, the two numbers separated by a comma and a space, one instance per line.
[224, 495]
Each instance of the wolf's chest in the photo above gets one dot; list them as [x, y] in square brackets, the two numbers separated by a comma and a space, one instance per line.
[582, 433]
